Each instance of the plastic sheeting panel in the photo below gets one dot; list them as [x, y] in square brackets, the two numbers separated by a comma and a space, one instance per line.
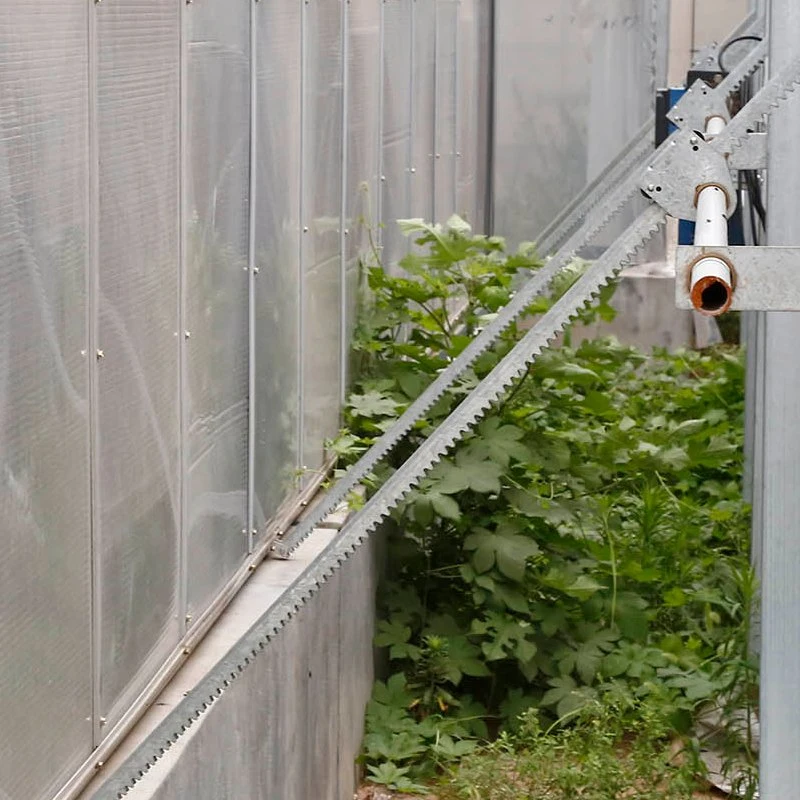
[217, 245]
[563, 66]
[467, 142]
[321, 217]
[138, 68]
[446, 98]
[423, 111]
[277, 251]
[396, 137]
[45, 638]
[363, 150]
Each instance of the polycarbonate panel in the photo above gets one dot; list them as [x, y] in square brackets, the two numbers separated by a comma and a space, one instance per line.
[396, 137]
[277, 242]
[563, 65]
[363, 144]
[467, 143]
[45, 636]
[321, 217]
[217, 245]
[424, 113]
[446, 91]
[542, 95]
[138, 68]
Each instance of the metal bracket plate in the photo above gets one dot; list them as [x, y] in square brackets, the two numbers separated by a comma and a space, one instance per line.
[698, 104]
[765, 278]
[674, 174]
[751, 154]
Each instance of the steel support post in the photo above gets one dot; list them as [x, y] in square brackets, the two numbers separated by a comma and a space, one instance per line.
[778, 501]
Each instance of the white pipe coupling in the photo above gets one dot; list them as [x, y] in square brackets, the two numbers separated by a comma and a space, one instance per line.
[711, 287]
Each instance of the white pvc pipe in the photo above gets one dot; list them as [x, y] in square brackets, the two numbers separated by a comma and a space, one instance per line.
[712, 281]
[711, 227]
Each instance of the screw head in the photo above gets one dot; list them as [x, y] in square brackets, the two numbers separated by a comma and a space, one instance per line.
[651, 187]
[100, 354]
[693, 140]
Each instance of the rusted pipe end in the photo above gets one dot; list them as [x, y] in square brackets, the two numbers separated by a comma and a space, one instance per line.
[711, 286]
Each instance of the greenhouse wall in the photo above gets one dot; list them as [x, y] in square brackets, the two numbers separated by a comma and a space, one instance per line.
[574, 80]
[187, 191]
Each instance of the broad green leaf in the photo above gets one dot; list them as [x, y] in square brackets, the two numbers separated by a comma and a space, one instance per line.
[468, 472]
[509, 551]
[372, 404]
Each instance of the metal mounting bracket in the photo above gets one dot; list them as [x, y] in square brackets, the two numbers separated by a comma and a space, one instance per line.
[672, 178]
[764, 278]
[698, 104]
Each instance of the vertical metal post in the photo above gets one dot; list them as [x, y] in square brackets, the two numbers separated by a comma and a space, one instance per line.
[302, 246]
[411, 166]
[183, 369]
[778, 507]
[377, 223]
[93, 314]
[491, 118]
[456, 154]
[252, 274]
[344, 344]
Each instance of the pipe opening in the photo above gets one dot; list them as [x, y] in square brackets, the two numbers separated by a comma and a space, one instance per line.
[714, 297]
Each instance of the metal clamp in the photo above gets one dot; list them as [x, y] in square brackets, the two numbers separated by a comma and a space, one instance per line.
[759, 279]
[674, 176]
[698, 104]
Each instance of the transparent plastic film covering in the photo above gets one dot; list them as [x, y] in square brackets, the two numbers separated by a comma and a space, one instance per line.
[45, 578]
[216, 346]
[137, 437]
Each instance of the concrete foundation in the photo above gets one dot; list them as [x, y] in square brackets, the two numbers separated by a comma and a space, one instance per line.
[290, 726]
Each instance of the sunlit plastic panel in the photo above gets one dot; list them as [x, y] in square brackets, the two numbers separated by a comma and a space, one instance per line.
[138, 68]
[277, 245]
[444, 162]
[423, 110]
[45, 636]
[542, 85]
[396, 136]
[321, 218]
[363, 146]
[216, 247]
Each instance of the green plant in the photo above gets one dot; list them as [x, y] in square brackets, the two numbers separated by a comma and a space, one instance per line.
[587, 543]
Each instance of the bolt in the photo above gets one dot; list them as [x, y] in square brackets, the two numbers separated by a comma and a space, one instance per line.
[346, 231]
[651, 187]
[102, 721]
[693, 140]
[187, 334]
[100, 354]
[305, 228]
[383, 178]
[255, 270]
[438, 155]
[458, 154]
[188, 618]
[254, 531]
[413, 170]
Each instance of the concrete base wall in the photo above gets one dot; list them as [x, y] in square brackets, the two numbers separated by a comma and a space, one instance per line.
[290, 727]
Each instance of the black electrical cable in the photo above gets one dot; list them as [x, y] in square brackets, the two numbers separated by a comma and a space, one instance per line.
[724, 49]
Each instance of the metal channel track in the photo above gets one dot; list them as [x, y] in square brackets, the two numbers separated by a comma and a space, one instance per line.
[472, 409]
[587, 219]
